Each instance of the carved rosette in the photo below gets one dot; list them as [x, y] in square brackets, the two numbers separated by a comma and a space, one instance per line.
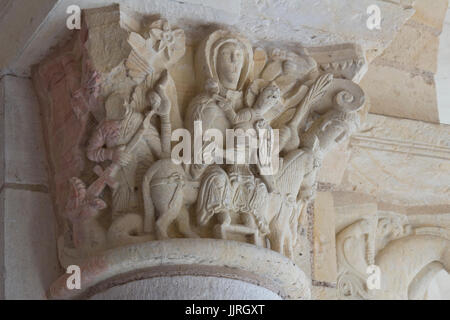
[121, 199]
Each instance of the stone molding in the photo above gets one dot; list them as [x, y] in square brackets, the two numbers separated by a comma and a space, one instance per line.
[201, 257]
[401, 146]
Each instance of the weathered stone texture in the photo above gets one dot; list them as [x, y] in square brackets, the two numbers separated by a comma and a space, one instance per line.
[400, 161]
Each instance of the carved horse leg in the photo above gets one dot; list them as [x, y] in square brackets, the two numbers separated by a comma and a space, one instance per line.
[164, 221]
[220, 229]
[184, 225]
[249, 221]
[167, 194]
[297, 164]
[277, 241]
[289, 245]
[163, 190]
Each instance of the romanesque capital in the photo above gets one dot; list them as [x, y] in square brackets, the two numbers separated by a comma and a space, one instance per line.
[137, 122]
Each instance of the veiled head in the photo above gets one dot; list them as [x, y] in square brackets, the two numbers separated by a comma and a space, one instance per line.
[225, 58]
[229, 63]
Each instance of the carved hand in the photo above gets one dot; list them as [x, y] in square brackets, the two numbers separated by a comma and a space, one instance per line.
[224, 104]
[159, 100]
[121, 157]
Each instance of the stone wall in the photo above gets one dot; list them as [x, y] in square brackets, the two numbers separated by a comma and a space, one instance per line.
[410, 63]
[28, 226]
[396, 169]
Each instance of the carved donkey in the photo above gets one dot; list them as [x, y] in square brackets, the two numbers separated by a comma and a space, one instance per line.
[286, 204]
[164, 183]
[295, 182]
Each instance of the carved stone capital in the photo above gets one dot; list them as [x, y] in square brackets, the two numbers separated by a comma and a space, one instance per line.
[112, 100]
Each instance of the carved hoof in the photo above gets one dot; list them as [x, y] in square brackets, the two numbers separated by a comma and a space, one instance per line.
[161, 233]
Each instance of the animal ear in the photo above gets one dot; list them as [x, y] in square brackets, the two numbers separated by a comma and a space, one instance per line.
[259, 62]
[316, 143]
[163, 79]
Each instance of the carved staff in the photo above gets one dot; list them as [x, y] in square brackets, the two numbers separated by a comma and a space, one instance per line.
[291, 140]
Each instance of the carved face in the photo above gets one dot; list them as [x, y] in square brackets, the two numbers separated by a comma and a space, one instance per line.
[333, 133]
[230, 61]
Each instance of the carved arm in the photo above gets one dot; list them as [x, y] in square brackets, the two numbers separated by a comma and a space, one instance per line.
[96, 150]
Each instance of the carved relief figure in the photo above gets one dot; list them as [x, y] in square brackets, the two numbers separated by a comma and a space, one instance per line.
[125, 139]
[240, 88]
[382, 240]
[163, 185]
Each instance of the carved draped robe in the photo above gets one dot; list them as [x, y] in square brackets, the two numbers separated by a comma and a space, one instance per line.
[111, 134]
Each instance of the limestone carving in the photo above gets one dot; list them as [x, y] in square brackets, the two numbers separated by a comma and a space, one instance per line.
[131, 190]
[408, 256]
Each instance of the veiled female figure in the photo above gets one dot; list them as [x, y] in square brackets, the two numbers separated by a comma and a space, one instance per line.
[223, 62]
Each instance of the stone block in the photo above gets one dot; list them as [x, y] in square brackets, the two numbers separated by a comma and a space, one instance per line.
[430, 13]
[19, 20]
[334, 165]
[28, 232]
[324, 247]
[443, 74]
[323, 293]
[231, 6]
[351, 207]
[402, 94]
[24, 150]
[413, 48]
[400, 161]
[322, 23]
[2, 132]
